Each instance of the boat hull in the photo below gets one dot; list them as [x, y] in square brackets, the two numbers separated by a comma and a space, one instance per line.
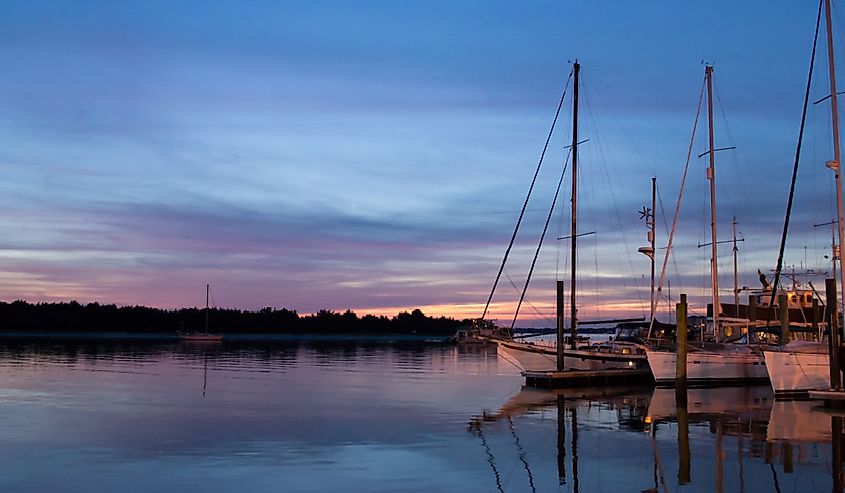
[711, 368]
[533, 357]
[793, 373]
[201, 338]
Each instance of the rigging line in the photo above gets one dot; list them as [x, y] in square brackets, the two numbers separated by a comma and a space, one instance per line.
[601, 165]
[666, 228]
[491, 460]
[678, 205]
[775, 477]
[544, 316]
[603, 159]
[795, 168]
[515, 287]
[596, 261]
[542, 237]
[528, 196]
[522, 455]
[557, 250]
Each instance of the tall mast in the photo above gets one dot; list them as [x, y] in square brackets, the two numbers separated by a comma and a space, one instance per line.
[834, 165]
[736, 277]
[573, 309]
[648, 215]
[651, 241]
[207, 288]
[711, 175]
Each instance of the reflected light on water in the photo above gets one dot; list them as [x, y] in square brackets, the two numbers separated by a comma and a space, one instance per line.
[298, 416]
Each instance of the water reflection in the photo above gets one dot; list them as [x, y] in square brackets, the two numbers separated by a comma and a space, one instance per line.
[314, 417]
[292, 416]
[725, 439]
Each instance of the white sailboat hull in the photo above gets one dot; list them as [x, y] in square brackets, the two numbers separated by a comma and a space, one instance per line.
[533, 357]
[715, 368]
[796, 372]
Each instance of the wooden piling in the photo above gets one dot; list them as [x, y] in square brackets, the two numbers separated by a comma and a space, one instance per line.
[560, 327]
[681, 343]
[684, 455]
[561, 439]
[752, 316]
[836, 433]
[834, 339]
[783, 312]
[752, 309]
[814, 316]
[684, 468]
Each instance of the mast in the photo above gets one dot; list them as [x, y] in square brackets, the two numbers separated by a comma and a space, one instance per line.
[573, 309]
[834, 165]
[207, 288]
[648, 215]
[651, 241]
[736, 277]
[711, 175]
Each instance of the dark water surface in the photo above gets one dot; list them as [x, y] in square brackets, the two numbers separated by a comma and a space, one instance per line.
[410, 417]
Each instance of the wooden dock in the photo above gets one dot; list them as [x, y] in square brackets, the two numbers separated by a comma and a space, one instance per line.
[831, 398]
[584, 378]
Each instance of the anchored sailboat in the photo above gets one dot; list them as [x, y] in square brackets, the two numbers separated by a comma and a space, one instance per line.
[713, 363]
[804, 366]
[619, 353]
[203, 336]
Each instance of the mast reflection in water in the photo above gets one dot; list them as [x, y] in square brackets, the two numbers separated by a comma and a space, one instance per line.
[133, 416]
[723, 439]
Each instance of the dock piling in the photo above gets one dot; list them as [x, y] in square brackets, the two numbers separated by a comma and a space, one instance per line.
[560, 327]
[834, 339]
[681, 343]
[783, 311]
[752, 316]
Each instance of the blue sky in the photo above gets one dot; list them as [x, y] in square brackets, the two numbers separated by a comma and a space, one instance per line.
[374, 155]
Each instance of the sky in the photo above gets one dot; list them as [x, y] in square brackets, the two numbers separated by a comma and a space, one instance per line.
[375, 155]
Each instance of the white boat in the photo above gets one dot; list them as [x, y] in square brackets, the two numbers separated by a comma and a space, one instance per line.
[802, 366]
[799, 367]
[200, 337]
[713, 363]
[529, 356]
[728, 364]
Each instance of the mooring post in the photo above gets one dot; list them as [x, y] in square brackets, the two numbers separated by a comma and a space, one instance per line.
[684, 461]
[684, 468]
[560, 327]
[561, 440]
[836, 445]
[814, 316]
[834, 338]
[783, 311]
[681, 343]
[752, 315]
[788, 463]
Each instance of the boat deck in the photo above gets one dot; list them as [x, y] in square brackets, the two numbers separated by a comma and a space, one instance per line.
[582, 378]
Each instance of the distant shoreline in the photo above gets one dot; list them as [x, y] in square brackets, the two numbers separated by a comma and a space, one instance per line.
[73, 317]
[239, 337]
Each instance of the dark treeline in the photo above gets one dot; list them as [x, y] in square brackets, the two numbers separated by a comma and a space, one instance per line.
[94, 317]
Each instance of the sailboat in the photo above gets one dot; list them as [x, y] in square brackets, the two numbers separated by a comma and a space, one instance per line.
[800, 367]
[203, 336]
[717, 363]
[619, 353]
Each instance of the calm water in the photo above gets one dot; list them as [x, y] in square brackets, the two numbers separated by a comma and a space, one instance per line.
[301, 417]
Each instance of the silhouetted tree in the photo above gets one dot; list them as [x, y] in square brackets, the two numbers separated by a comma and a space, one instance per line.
[20, 316]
